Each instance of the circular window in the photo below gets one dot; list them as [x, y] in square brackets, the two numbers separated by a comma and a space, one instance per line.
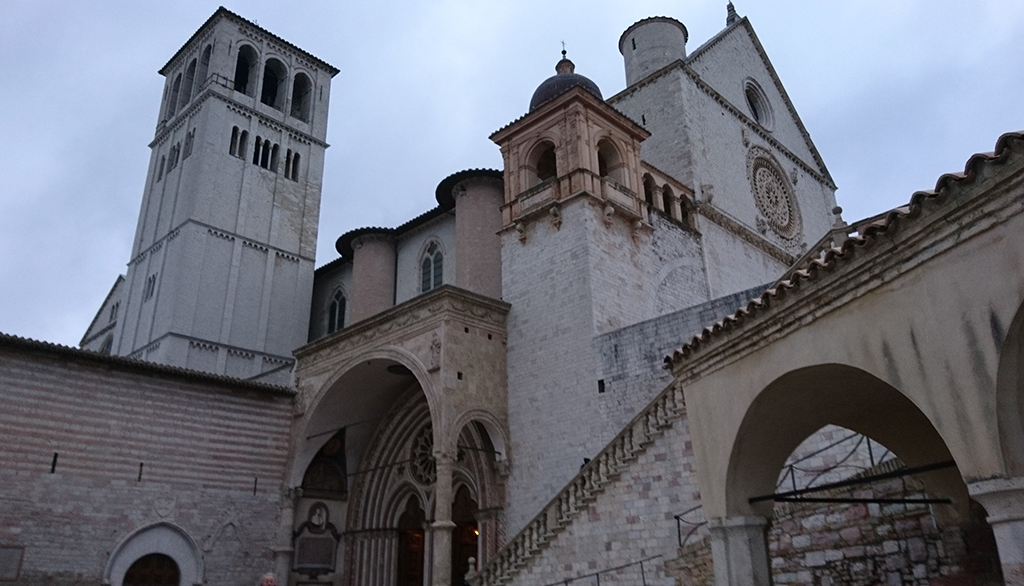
[772, 194]
[422, 465]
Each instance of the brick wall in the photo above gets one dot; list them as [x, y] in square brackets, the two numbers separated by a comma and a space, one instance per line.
[212, 453]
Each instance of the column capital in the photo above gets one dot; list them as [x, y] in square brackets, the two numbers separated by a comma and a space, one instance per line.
[1003, 498]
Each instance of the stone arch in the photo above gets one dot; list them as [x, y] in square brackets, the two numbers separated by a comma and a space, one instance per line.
[542, 162]
[245, 70]
[302, 91]
[610, 162]
[315, 425]
[275, 83]
[800, 402]
[163, 538]
[496, 430]
[1010, 395]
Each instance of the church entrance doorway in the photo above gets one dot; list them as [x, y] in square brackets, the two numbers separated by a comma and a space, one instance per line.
[155, 569]
[465, 535]
[410, 544]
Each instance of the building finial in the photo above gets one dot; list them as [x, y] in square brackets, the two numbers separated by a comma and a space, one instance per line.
[730, 16]
[564, 65]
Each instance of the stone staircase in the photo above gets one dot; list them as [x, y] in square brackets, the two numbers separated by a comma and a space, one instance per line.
[592, 479]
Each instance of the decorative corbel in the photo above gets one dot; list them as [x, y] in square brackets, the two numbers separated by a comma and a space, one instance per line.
[793, 175]
[746, 137]
[637, 227]
[521, 231]
[556, 216]
[609, 211]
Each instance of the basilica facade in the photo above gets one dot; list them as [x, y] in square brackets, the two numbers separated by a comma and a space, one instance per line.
[507, 388]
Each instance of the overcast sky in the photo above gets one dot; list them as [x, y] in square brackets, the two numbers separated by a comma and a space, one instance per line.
[894, 93]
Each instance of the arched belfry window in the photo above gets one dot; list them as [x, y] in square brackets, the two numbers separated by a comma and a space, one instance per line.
[172, 103]
[431, 268]
[609, 162]
[245, 66]
[186, 88]
[275, 75]
[542, 163]
[302, 90]
[336, 313]
[204, 68]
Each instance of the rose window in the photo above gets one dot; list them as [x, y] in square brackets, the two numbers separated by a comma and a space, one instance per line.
[422, 464]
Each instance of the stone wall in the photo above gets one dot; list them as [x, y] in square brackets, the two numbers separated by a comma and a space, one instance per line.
[864, 543]
[96, 448]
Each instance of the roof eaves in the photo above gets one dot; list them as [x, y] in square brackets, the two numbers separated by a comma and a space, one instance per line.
[136, 365]
[224, 12]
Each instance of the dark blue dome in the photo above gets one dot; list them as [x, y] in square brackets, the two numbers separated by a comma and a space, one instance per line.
[560, 83]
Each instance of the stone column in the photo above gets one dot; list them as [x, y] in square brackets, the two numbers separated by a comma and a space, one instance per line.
[443, 525]
[740, 551]
[1003, 499]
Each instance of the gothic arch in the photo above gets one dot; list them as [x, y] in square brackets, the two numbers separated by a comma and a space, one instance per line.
[1010, 395]
[430, 264]
[800, 402]
[163, 538]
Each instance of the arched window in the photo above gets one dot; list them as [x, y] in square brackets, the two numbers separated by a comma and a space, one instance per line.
[302, 89]
[265, 155]
[666, 201]
[204, 68]
[160, 173]
[336, 313]
[649, 190]
[431, 268]
[107, 346]
[609, 163]
[542, 163]
[273, 158]
[274, 77]
[186, 88]
[173, 101]
[243, 142]
[244, 70]
[233, 149]
[155, 569]
[288, 164]
[295, 167]
[257, 150]
[757, 103]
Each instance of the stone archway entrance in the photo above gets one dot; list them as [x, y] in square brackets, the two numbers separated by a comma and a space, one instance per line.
[411, 544]
[155, 569]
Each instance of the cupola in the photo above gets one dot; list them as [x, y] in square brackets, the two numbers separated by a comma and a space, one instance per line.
[565, 77]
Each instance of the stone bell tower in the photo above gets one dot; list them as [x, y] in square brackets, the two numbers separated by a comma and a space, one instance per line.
[574, 218]
[221, 271]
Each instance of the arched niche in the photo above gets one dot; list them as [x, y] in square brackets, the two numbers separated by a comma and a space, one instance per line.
[159, 538]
